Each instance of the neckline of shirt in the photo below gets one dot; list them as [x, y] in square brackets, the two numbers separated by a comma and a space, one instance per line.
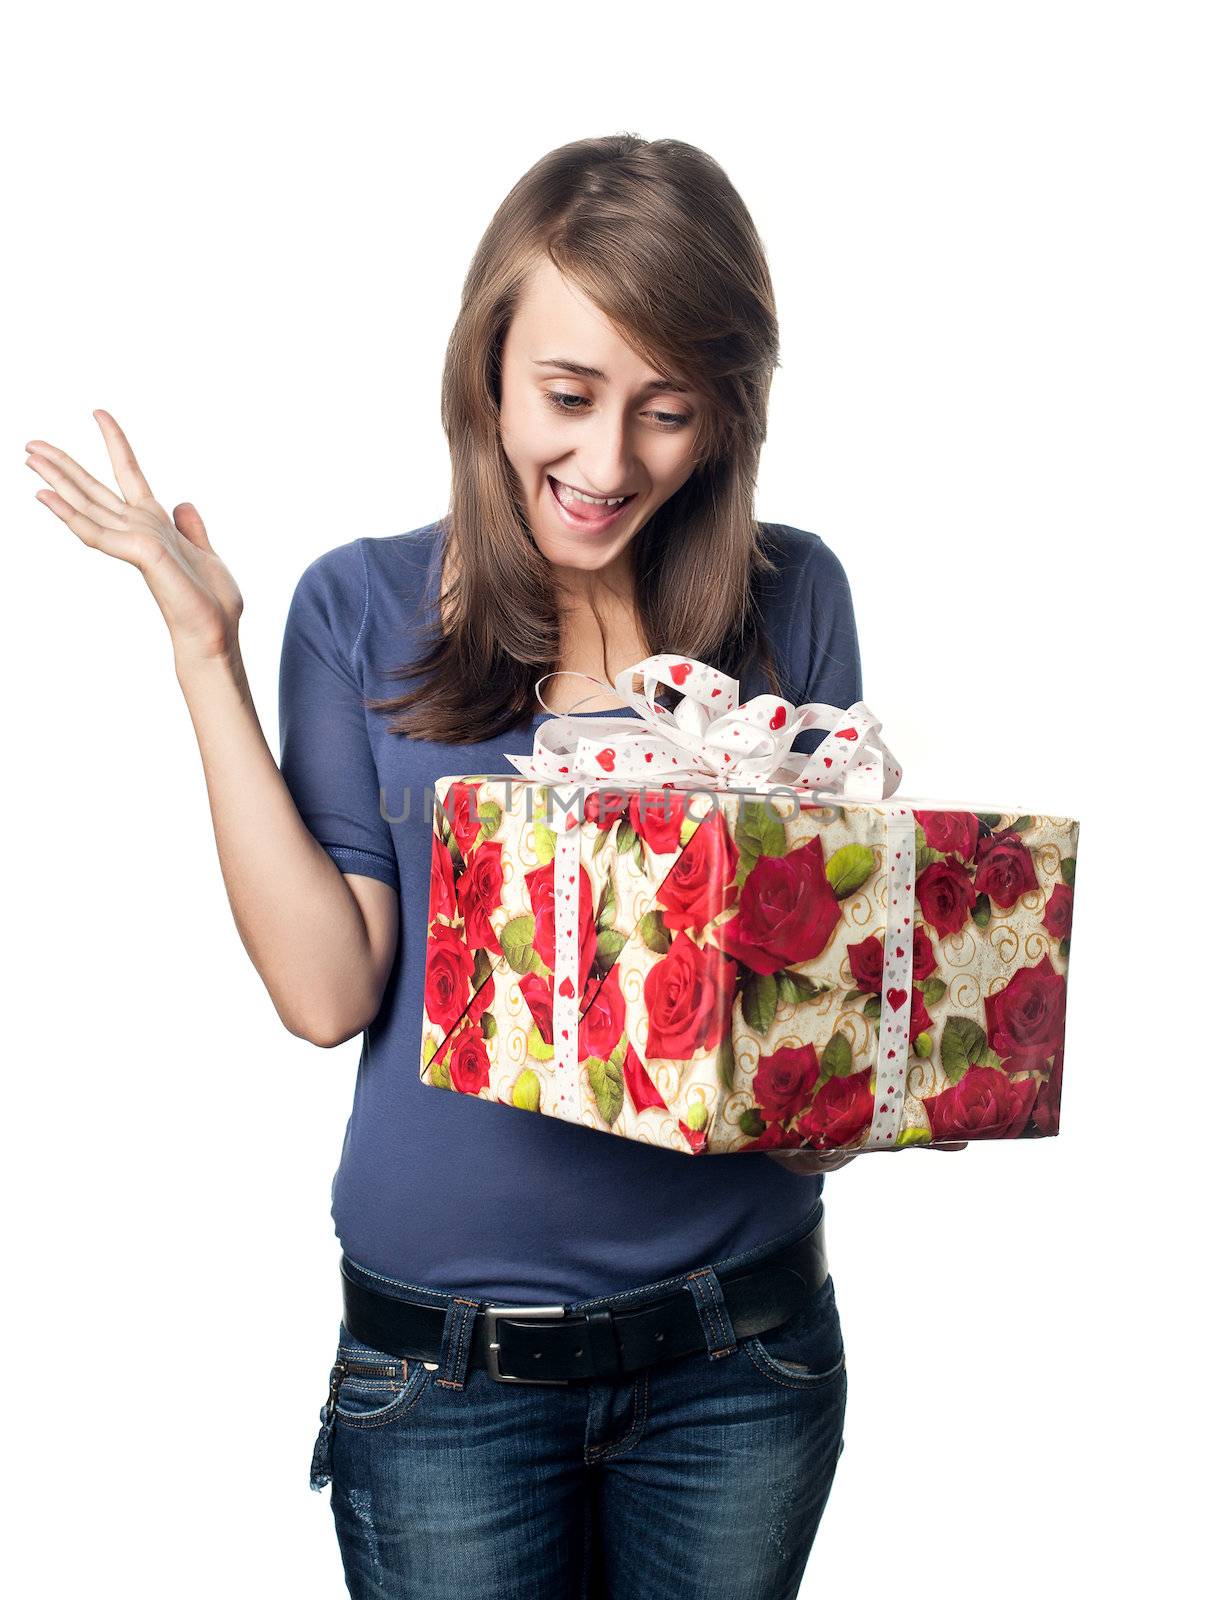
[620, 711]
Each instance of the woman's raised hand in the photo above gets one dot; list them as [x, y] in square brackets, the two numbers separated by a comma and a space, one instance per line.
[194, 590]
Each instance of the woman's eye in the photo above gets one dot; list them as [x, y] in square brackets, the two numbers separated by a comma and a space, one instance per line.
[557, 397]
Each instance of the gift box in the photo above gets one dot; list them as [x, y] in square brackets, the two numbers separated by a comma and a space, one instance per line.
[675, 929]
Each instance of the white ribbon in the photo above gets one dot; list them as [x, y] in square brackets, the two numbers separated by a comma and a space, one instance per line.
[710, 735]
[733, 747]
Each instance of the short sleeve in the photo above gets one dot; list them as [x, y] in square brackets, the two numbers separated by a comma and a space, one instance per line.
[835, 670]
[326, 756]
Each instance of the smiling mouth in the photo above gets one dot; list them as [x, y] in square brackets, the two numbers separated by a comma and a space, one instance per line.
[594, 513]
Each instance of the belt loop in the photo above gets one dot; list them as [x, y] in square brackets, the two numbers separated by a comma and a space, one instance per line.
[455, 1351]
[708, 1294]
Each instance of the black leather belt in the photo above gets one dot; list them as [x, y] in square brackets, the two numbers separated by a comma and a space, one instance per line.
[550, 1344]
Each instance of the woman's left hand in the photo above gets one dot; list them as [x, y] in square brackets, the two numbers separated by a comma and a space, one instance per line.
[807, 1162]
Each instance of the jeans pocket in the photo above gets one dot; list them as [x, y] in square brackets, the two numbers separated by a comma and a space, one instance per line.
[805, 1351]
[367, 1388]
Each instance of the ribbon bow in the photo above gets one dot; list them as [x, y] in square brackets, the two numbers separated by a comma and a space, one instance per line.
[710, 739]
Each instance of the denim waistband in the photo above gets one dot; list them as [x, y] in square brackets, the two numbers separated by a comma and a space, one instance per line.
[638, 1295]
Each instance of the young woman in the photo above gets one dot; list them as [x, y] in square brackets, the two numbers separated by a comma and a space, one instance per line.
[679, 1418]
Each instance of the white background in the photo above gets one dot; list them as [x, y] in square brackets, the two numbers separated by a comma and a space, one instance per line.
[243, 231]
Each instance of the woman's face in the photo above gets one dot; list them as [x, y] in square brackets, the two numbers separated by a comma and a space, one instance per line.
[580, 410]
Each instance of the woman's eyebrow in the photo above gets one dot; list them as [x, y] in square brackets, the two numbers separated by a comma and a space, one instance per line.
[578, 369]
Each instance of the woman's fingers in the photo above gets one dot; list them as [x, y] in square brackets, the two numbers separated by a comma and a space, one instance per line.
[190, 526]
[74, 493]
[112, 541]
[131, 481]
[812, 1160]
[97, 492]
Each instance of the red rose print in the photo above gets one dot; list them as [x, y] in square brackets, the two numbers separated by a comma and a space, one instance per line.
[478, 893]
[920, 1020]
[640, 1087]
[536, 992]
[867, 964]
[783, 1082]
[944, 892]
[658, 818]
[696, 1138]
[953, 832]
[700, 885]
[468, 1062]
[1004, 868]
[775, 1137]
[867, 960]
[688, 996]
[924, 959]
[604, 807]
[841, 1111]
[482, 1000]
[602, 1025]
[984, 1104]
[540, 885]
[1045, 1113]
[1026, 1019]
[1058, 913]
[449, 966]
[787, 911]
[461, 807]
[441, 882]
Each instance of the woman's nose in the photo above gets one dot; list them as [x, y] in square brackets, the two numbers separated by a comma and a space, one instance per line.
[605, 458]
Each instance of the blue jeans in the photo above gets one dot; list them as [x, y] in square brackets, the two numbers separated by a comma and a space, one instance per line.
[702, 1477]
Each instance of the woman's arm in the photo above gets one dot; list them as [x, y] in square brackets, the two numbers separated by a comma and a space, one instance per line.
[322, 942]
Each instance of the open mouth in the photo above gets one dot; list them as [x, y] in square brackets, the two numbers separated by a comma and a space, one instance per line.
[584, 514]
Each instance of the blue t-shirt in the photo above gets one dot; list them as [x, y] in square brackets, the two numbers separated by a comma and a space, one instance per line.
[443, 1190]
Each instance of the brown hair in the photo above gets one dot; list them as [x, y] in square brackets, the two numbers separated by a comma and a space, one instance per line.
[655, 235]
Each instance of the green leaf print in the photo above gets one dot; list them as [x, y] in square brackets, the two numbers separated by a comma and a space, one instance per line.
[610, 942]
[836, 1058]
[759, 999]
[849, 868]
[963, 1045]
[606, 1081]
[654, 933]
[796, 987]
[912, 1136]
[526, 1090]
[537, 1046]
[517, 944]
[607, 904]
[725, 1063]
[490, 817]
[439, 1073]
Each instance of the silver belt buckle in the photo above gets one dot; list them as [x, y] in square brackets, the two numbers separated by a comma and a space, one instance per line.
[511, 1314]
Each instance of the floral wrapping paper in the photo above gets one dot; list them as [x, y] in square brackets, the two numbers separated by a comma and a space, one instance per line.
[731, 961]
